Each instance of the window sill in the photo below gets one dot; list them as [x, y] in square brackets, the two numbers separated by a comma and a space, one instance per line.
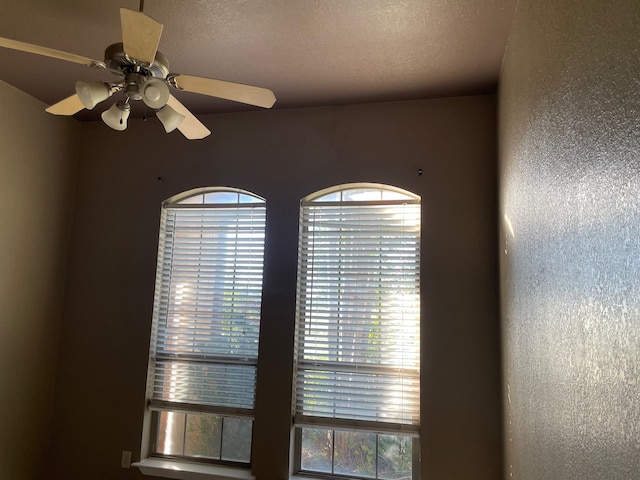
[190, 471]
[305, 476]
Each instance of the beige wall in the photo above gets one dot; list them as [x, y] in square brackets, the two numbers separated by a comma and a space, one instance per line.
[283, 156]
[570, 253]
[37, 178]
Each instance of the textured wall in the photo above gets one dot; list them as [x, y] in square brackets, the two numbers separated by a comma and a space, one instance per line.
[37, 180]
[570, 254]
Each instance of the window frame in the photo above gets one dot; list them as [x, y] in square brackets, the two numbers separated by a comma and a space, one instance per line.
[154, 406]
[324, 198]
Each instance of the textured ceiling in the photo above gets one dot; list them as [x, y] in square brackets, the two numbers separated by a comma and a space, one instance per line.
[322, 52]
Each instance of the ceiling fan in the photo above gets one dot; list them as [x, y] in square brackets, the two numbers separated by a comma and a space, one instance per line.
[145, 76]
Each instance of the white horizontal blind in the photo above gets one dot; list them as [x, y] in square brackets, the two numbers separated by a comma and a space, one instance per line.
[207, 306]
[357, 319]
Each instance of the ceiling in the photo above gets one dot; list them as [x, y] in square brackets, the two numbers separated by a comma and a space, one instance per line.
[308, 52]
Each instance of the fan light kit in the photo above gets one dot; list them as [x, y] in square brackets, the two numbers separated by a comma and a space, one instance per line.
[145, 76]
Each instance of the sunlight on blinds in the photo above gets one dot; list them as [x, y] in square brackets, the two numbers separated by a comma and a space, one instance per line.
[358, 310]
[208, 296]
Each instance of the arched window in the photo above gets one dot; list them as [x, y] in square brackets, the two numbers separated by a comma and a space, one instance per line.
[357, 387]
[206, 321]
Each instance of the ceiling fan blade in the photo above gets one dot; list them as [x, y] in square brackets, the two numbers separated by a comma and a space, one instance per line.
[68, 106]
[190, 127]
[260, 97]
[140, 35]
[49, 52]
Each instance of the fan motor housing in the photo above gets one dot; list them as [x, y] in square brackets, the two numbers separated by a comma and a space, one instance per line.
[120, 63]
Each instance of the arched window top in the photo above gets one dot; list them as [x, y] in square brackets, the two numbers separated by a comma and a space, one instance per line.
[360, 192]
[214, 196]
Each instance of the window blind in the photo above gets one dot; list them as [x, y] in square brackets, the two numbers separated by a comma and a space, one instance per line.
[207, 307]
[357, 317]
